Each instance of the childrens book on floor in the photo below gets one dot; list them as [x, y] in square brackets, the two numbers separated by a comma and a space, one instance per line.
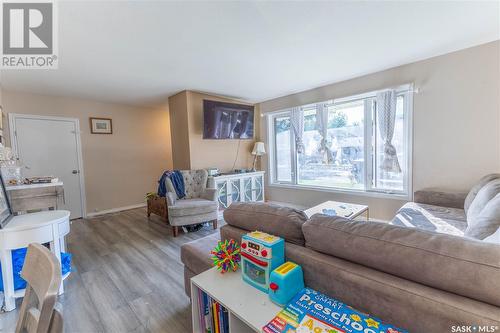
[312, 312]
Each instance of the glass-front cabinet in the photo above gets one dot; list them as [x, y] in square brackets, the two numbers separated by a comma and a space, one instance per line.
[222, 194]
[235, 190]
[238, 187]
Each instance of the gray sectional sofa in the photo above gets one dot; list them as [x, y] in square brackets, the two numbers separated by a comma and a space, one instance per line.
[418, 272]
[475, 214]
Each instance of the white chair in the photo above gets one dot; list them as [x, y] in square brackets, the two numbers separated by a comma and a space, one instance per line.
[42, 272]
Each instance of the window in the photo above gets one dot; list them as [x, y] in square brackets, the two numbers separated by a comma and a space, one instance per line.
[283, 137]
[342, 145]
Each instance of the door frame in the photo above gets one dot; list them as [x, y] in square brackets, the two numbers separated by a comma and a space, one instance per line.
[13, 142]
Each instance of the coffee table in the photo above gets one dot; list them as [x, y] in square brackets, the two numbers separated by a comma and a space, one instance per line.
[335, 208]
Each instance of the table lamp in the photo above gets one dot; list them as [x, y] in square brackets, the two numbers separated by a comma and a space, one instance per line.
[258, 150]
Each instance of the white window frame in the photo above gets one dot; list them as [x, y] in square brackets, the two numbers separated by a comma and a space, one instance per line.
[369, 190]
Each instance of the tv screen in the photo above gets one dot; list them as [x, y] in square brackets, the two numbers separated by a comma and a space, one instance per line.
[227, 120]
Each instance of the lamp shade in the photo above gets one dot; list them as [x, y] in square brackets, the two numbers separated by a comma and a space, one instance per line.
[258, 149]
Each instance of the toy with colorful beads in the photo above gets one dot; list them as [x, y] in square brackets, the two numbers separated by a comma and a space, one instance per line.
[226, 256]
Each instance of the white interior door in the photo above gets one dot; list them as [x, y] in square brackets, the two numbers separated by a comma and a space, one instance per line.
[50, 146]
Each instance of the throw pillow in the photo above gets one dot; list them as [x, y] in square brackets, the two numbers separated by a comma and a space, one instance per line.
[485, 194]
[473, 192]
[487, 222]
[495, 238]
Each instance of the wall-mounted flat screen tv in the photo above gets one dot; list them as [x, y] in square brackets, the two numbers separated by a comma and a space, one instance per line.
[227, 120]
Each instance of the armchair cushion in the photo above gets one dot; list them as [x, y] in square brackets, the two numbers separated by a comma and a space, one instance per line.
[195, 182]
[190, 207]
[209, 194]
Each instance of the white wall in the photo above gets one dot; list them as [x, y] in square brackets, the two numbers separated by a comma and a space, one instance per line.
[456, 122]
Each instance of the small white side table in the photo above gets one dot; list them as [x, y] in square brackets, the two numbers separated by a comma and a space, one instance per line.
[42, 227]
[343, 209]
[249, 308]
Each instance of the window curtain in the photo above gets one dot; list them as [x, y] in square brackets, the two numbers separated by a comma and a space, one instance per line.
[386, 119]
[297, 122]
[322, 128]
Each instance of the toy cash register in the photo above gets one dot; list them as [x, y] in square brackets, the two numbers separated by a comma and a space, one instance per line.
[260, 253]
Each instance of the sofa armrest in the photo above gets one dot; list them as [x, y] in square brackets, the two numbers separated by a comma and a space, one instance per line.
[171, 199]
[440, 198]
[210, 194]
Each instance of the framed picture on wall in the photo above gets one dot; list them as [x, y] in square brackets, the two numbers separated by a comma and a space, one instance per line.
[101, 126]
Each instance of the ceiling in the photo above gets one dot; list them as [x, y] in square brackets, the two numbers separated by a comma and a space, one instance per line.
[141, 52]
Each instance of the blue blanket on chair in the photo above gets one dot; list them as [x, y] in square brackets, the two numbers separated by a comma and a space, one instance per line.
[177, 181]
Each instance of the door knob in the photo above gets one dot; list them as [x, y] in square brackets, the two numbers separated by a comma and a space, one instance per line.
[74, 172]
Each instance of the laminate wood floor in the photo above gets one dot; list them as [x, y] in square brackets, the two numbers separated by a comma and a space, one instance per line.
[127, 276]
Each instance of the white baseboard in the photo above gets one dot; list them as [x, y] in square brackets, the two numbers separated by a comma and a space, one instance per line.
[115, 210]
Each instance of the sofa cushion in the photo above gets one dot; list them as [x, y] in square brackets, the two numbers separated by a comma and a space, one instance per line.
[384, 295]
[473, 192]
[445, 220]
[406, 304]
[188, 207]
[277, 220]
[196, 254]
[229, 232]
[459, 265]
[429, 196]
[488, 220]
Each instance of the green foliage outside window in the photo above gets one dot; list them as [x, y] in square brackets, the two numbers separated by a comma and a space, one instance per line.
[282, 125]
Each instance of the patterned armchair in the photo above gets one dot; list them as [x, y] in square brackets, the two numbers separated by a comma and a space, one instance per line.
[199, 205]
